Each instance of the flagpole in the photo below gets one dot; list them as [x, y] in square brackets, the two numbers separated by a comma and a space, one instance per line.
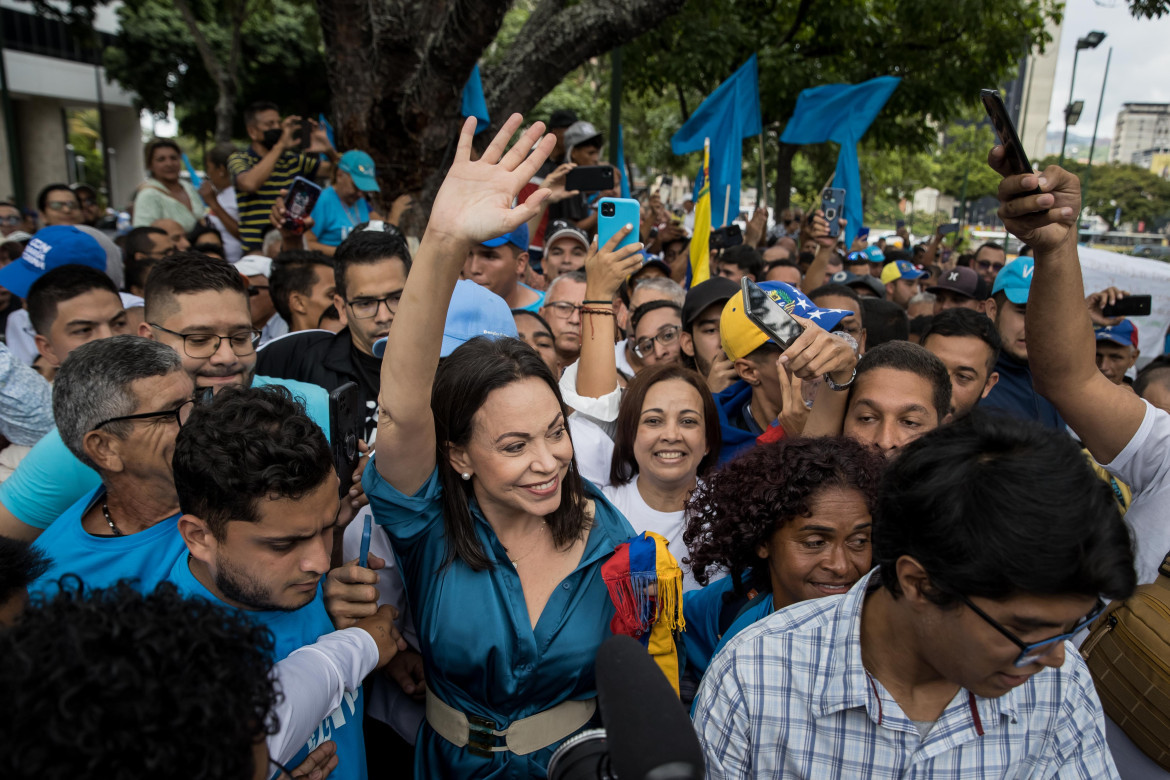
[726, 204]
[762, 194]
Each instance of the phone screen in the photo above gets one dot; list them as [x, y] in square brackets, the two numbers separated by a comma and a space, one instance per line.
[768, 315]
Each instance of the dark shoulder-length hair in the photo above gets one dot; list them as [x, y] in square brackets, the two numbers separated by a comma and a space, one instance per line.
[737, 508]
[624, 466]
[462, 384]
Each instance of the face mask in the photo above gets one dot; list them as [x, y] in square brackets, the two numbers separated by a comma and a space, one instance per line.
[272, 137]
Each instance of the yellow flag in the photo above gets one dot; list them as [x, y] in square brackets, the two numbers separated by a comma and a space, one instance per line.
[700, 239]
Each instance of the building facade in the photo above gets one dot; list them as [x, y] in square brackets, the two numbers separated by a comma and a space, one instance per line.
[1141, 127]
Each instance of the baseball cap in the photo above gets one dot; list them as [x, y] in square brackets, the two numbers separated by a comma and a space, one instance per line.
[518, 238]
[17, 235]
[559, 229]
[360, 167]
[901, 269]
[1015, 280]
[562, 117]
[741, 337]
[50, 248]
[876, 255]
[860, 256]
[578, 133]
[650, 261]
[1123, 333]
[850, 279]
[474, 311]
[961, 280]
[255, 265]
[718, 289]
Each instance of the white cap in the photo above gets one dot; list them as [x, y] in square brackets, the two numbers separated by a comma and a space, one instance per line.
[255, 265]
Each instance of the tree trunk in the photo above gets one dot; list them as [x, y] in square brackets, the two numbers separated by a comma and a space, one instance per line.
[784, 175]
[225, 75]
[397, 69]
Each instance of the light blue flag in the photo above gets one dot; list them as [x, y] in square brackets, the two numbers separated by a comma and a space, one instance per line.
[474, 103]
[321, 120]
[841, 113]
[196, 180]
[728, 115]
[619, 162]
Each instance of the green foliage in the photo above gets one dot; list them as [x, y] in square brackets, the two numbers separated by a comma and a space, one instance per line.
[1142, 195]
[1149, 9]
[84, 136]
[281, 59]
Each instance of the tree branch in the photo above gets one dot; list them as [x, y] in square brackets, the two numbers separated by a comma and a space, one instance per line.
[798, 22]
[206, 53]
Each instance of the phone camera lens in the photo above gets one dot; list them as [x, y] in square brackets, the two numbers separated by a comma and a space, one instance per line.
[608, 209]
[831, 214]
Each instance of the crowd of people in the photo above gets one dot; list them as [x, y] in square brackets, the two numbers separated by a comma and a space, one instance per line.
[883, 542]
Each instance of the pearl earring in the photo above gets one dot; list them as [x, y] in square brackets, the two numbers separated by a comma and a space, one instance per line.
[466, 476]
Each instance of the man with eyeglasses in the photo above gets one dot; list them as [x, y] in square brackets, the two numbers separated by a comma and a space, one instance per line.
[58, 205]
[990, 259]
[562, 311]
[10, 219]
[369, 271]
[197, 306]
[951, 659]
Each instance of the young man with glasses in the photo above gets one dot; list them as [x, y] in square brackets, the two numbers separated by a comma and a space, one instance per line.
[197, 306]
[369, 271]
[951, 659]
[58, 205]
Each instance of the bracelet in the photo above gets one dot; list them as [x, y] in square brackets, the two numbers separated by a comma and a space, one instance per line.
[834, 386]
[603, 312]
[603, 303]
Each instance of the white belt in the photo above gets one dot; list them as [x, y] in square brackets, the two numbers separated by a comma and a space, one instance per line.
[524, 736]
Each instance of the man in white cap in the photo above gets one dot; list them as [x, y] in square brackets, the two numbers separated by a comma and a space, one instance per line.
[256, 269]
[565, 248]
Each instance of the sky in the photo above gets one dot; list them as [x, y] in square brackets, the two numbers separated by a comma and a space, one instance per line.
[1137, 73]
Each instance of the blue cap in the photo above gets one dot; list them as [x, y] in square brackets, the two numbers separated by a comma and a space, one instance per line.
[1123, 333]
[901, 269]
[51, 247]
[1015, 280]
[518, 238]
[360, 167]
[474, 311]
[876, 255]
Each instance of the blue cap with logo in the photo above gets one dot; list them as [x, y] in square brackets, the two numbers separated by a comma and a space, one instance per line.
[1124, 333]
[51, 247]
[360, 167]
[474, 311]
[517, 238]
[1015, 280]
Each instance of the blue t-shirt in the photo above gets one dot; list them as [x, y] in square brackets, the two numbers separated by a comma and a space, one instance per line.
[290, 631]
[481, 653]
[333, 220]
[535, 305]
[51, 479]
[144, 559]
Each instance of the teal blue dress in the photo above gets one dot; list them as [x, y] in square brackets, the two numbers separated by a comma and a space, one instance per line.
[480, 651]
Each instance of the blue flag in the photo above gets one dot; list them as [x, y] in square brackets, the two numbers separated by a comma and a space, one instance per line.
[474, 103]
[841, 113]
[321, 120]
[728, 115]
[619, 162]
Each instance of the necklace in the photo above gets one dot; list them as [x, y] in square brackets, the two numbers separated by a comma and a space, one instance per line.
[110, 520]
[532, 549]
[351, 212]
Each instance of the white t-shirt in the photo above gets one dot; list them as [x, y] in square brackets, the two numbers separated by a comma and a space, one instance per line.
[1144, 465]
[643, 517]
[20, 336]
[232, 249]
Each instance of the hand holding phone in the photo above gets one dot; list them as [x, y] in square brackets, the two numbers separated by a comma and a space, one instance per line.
[725, 237]
[833, 205]
[613, 214]
[590, 178]
[950, 227]
[346, 421]
[299, 203]
[1130, 306]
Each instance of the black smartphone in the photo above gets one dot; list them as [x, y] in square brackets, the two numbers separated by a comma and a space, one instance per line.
[833, 205]
[725, 237]
[590, 178]
[304, 135]
[768, 315]
[299, 202]
[1130, 306]
[346, 421]
[950, 227]
[1017, 158]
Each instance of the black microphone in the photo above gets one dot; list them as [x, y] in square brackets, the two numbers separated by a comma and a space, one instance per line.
[649, 731]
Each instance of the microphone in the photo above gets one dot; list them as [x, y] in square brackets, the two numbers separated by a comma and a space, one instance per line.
[648, 729]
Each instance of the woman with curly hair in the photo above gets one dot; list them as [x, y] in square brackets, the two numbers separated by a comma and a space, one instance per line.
[788, 521]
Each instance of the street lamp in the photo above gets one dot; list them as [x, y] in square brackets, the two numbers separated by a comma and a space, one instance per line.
[1090, 41]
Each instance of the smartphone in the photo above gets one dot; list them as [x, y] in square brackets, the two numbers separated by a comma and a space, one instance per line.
[950, 227]
[346, 421]
[613, 215]
[305, 135]
[299, 202]
[833, 204]
[725, 237]
[590, 178]
[1017, 158]
[1130, 306]
[863, 233]
[768, 315]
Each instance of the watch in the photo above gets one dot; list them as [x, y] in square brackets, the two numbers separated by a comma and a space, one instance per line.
[834, 386]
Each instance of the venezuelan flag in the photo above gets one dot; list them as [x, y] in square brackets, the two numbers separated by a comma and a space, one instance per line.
[700, 239]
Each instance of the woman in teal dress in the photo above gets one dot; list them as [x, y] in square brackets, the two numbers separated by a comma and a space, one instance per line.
[499, 540]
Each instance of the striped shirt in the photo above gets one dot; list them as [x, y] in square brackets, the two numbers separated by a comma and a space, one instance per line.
[255, 207]
[789, 698]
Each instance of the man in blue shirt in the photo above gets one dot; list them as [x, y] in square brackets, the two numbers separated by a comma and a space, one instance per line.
[197, 306]
[255, 481]
[119, 403]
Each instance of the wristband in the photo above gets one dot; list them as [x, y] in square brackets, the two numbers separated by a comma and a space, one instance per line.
[603, 303]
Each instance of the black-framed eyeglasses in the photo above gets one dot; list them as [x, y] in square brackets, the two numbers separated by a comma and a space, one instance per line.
[181, 413]
[987, 265]
[364, 308]
[563, 309]
[1030, 653]
[204, 345]
[644, 347]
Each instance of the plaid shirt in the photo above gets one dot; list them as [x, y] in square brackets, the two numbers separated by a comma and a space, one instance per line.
[789, 698]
